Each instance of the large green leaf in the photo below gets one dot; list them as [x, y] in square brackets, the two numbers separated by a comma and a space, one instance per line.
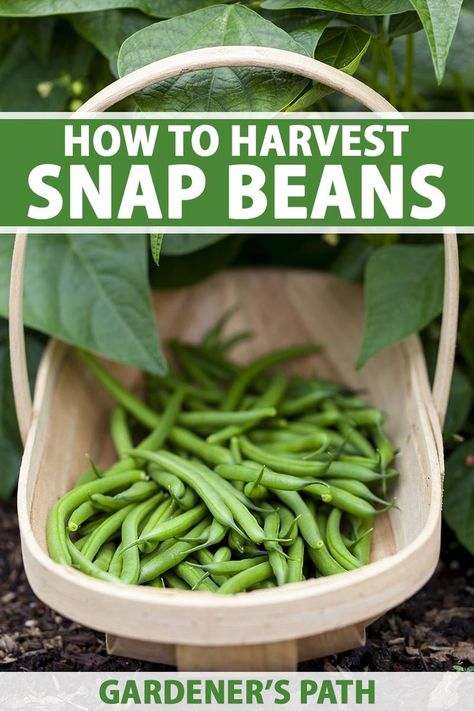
[440, 19]
[107, 30]
[341, 47]
[403, 294]
[350, 7]
[466, 334]
[309, 34]
[459, 494]
[226, 89]
[91, 291]
[10, 444]
[459, 405]
[156, 8]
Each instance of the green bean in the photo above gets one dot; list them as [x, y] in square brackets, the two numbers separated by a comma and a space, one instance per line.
[137, 492]
[364, 418]
[235, 450]
[105, 531]
[161, 432]
[318, 438]
[344, 500]
[115, 567]
[168, 481]
[324, 562]
[102, 502]
[238, 509]
[357, 488]
[164, 512]
[189, 364]
[160, 561]
[217, 533]
[269, 399]
[322, 419]
[212, 337]
[83, 512]
[86, 566]
[187, 472]
[205, 557]
[218, 417]
[357, 440]
[295, 561]
[56, 531]
[304, 403]
[231, 567]
[384, 446]
[171, 528]
[257, 492]
[242, 581]
[236, 541]
[173, 383]
[248, 374]
[210, 453]
[297, 467]
[275, 552]
[288, 522]
[306, 523]
[80, 543]
[321, 513]
[222, 554]
[119, 430]
[105, 555]
[194, 578]
[336, 544]
[172, 581]
[132, 404]
[269, 478]
[91, 525]
[361, 549]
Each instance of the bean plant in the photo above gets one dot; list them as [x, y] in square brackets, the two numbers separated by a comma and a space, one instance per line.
[54, 54]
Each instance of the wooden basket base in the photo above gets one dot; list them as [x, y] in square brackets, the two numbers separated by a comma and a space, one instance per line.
[275, 657]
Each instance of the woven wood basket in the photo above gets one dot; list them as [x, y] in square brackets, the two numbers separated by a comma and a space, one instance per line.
[264, 630]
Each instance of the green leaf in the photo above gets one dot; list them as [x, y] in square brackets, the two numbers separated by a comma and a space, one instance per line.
[91, 291]
[352, 7]
[405, 24]
[341, 47]
[156, 242]
[403, 294]
[176, 244]
[156, 8]
[467, 255]
[459, 405]
[466, 334]
[10, 443]
[440, 19]
[309, 35]
[459, 494]
[108, 30]
[226, 89]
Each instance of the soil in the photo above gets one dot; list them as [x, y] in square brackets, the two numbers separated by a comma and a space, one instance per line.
[433, 631]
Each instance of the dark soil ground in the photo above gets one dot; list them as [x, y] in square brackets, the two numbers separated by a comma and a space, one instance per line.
[434, 631]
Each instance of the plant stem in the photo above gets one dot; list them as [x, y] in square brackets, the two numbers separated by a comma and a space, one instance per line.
[391, 74]
[409, 66]
[375, 65]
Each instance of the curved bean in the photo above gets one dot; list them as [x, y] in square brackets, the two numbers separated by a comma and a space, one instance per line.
[158, 562]
[242, 581]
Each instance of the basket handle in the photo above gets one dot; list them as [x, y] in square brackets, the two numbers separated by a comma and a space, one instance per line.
[213, 58]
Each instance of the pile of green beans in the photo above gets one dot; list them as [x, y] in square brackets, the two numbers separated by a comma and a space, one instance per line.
[228, 478]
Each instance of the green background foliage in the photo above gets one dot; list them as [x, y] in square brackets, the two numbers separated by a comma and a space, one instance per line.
[94, 290]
